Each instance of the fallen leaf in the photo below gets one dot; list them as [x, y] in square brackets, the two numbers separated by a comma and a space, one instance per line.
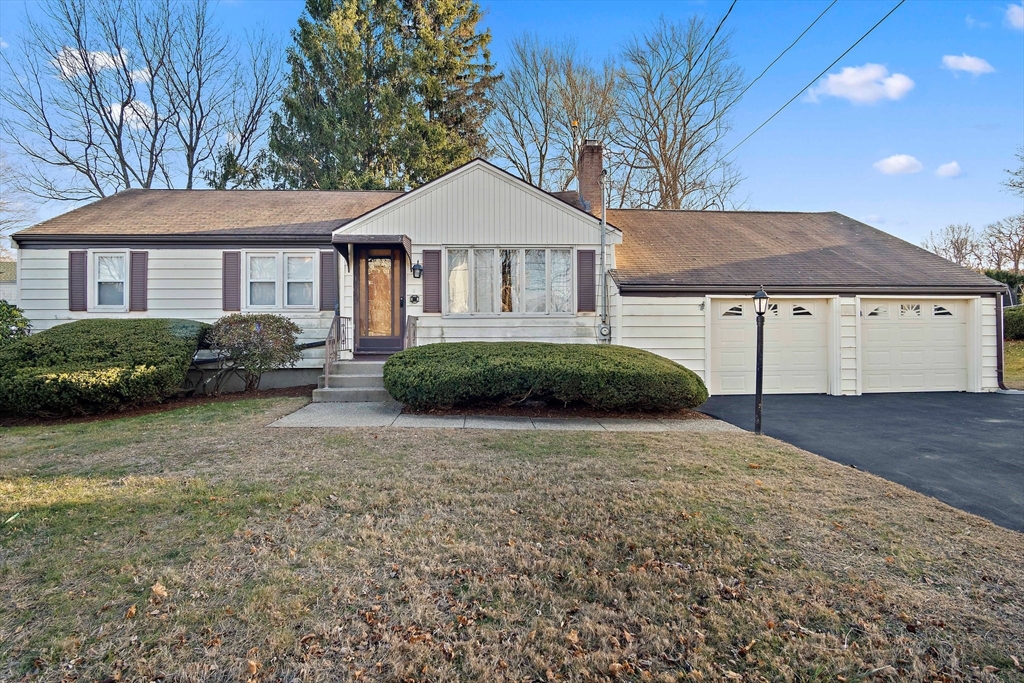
[733, 676]
[130, 614]
[159, 590]
[627, 635]
[754, 466]
[573, 637]
[252, 667]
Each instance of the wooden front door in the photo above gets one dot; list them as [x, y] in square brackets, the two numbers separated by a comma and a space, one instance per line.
[380, 300]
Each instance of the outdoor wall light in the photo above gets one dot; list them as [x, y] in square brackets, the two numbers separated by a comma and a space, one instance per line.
[760, 307]
[417, 270]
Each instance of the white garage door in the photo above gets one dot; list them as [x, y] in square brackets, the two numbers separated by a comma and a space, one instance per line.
[914, 345]
[795, 347]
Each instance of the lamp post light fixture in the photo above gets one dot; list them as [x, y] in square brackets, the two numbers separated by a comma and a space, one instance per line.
[760, 308]
[417, 271]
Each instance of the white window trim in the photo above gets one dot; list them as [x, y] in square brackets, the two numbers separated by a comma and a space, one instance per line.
[93, 297]
[281, 289]
[571, 313]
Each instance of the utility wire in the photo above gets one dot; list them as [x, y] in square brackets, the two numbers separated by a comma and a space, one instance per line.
[815, 79]
[782, 54]
[717, 29]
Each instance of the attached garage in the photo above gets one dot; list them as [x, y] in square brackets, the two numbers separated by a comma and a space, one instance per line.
[795, 347]
[914, 345]
[853, 310]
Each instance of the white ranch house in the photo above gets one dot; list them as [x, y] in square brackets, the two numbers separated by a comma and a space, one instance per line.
[479, 254]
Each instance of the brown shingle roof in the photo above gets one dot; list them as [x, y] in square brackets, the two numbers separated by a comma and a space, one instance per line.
[214, 212]
[740, 250]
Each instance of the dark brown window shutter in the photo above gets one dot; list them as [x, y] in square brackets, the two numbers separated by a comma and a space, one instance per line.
[432, 281]
[328, 280]
[231, 287]
[138, 281]
[78, 280]
[586, 294]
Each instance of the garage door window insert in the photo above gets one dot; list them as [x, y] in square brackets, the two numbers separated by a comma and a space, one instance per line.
[495, 281]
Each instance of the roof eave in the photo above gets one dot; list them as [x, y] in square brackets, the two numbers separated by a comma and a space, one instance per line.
[647, 289]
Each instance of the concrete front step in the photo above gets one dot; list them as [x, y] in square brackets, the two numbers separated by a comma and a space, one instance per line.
[354, 381]
[355, 368]
[349, 395]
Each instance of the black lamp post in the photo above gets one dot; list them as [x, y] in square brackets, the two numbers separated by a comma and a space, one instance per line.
[760, 307]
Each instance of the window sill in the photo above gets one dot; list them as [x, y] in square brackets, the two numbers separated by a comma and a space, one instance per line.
[509, 316]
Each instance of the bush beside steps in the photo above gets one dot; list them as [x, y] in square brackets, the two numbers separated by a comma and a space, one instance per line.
[94, 366]
[603, 377]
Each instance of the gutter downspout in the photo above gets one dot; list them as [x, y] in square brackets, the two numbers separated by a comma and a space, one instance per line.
[605, 330]
[1000, 343]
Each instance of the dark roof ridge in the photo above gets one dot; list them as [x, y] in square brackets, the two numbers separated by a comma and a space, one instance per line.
[716, 211]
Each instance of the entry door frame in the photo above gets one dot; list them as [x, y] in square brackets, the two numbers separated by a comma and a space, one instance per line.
[367, 345]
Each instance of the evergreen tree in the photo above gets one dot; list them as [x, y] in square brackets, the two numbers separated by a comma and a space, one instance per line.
[382, 94]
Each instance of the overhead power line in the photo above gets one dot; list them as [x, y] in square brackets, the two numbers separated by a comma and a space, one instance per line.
[815, 79]
[713, 35]
[782, 54]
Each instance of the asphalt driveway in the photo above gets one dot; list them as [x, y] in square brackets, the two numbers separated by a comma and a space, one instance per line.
[967, 450]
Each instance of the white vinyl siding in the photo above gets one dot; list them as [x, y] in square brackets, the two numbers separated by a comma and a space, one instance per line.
[479, 204]
[672, 327]
[183, 283]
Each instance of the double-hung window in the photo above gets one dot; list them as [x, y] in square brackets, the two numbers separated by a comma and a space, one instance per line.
[111, 280]
[280, 280]
[502, 280]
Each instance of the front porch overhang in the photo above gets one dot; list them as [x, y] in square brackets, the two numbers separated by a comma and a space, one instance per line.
[342, 241]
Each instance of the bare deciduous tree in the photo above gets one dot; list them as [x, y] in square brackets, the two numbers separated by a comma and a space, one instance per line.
[106, 95]
[1005, 238]
[1015, 182]
[548, 101]
[678, 87]
[956, 242]
[14, 213]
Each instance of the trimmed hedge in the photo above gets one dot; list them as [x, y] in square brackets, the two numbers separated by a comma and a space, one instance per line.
[1013, 322]
[93, 366]
[602, 377]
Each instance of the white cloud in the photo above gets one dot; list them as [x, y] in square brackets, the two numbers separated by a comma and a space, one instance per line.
[71, 63]
[140, 76]
[974, 23]
[899, 164]
[3, 43]
[965, 62]
[862, 85]
[874, 218]
[136, 114]
[950, 170]
[1015, 16]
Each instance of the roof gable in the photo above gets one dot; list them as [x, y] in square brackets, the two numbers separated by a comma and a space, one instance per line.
[479, 203]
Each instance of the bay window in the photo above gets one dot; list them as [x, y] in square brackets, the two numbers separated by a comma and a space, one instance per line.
[531, 281]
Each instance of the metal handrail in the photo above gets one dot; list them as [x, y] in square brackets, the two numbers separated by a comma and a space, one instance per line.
[337, 341]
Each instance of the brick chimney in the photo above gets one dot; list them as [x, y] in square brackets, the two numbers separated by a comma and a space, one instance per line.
[591, 164]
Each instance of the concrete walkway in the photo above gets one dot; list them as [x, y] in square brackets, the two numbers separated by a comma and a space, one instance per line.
[390, 415]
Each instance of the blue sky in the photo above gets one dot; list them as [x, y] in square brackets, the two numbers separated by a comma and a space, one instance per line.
[869, 142]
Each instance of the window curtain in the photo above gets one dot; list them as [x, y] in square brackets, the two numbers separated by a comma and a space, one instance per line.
[483, 281]
[458, 281]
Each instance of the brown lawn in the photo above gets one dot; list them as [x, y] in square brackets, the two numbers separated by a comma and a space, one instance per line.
[1013, 364]
[198, 545]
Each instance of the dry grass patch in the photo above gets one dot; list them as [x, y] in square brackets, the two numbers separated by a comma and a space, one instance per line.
[1013, 364]
[197, 545]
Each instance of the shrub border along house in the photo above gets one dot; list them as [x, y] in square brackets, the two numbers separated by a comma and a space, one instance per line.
[599, 376]
[95, 366]
[1013, 322]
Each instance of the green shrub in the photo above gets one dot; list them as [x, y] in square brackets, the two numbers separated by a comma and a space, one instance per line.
[256, 342]
[602, 377]
[1013, 322]
[94, 366]
[13, 323]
